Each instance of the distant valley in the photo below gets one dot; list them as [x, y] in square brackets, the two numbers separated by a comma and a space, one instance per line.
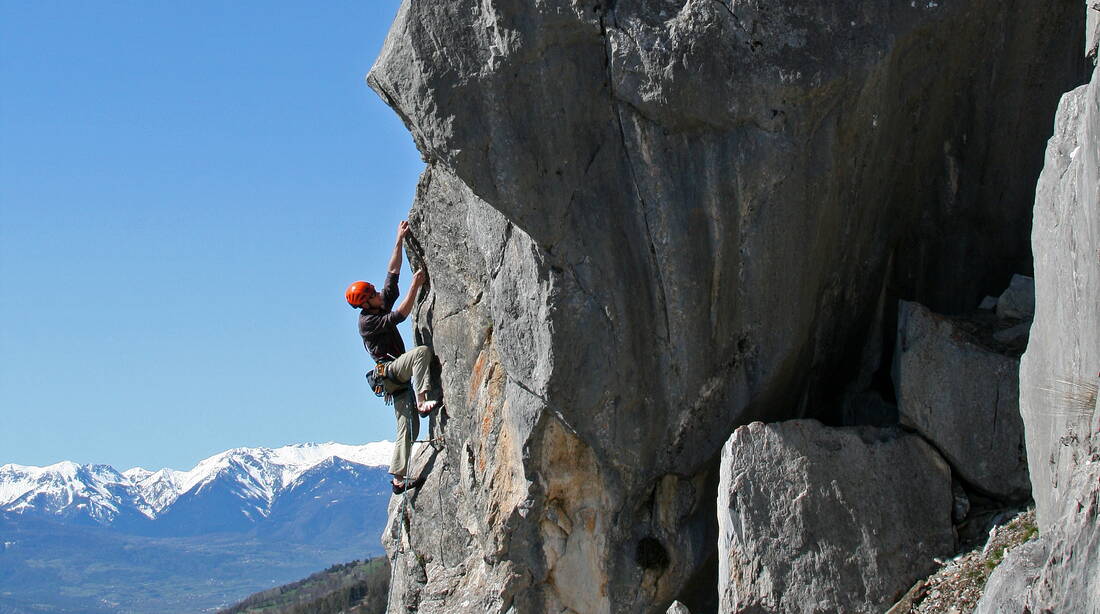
[88, 538]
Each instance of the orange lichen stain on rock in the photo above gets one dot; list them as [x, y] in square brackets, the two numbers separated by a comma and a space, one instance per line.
[570, 476]
[481, 461]
[487, 405]
[488, 412]
[508, 486]
[569, 466]
[487, 396]
[475, 400]
[477, 373]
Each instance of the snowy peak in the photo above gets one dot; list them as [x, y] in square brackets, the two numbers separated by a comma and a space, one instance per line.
[99, 493]
[158, 488]
[274, 468]
[88, 492]
[137, 474]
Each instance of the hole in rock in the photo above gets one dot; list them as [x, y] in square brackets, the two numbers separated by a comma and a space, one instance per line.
[651, 554]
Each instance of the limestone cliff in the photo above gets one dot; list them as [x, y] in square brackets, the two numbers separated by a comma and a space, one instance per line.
[647, 222]
[1060, 572]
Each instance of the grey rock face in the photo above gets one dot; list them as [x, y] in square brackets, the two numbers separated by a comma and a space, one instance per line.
[964, 399]
[648, 222]
[814, 519]
[1058, 572]
[1058, 373]
[678, 608]
[1058, 377]
[1018, 300]
[452, 538]
[1006, 589]
[1013, 334]
[961, 505]
[1092, 28]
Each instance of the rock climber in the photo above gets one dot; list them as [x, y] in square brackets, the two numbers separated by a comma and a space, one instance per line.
[378, 327]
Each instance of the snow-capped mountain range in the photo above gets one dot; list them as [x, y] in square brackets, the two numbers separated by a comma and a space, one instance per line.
[186, 541]
[253, 478]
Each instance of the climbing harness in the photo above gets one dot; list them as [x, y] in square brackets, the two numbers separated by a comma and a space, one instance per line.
[377, 378]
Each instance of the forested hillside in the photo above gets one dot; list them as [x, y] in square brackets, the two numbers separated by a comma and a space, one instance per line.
[358, 587]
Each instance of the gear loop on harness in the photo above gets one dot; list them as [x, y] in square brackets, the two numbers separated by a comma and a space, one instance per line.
[377, 378]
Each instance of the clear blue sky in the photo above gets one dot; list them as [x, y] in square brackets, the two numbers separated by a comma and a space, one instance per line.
[186, 188]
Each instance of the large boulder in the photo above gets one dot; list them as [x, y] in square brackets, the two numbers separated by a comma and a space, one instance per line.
[964, 398]
[815, 519]
[1058, 377]
[1018, 300]
[647, 222]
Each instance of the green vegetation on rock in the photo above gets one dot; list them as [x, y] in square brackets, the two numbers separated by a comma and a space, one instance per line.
[958, 585]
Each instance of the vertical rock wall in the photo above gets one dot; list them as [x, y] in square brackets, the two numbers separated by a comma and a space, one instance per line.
[1059, 371]
[1059, 375]
[649, 221]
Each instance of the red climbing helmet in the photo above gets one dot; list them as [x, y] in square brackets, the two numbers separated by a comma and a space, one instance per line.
[358, 293]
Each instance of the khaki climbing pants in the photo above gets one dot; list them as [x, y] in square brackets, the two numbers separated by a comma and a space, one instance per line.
[408, 428]
[415, 365]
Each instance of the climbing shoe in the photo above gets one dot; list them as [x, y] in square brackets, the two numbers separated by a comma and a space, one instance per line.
[406, 484]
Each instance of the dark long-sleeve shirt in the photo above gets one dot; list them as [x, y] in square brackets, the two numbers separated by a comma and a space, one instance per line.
[379, 327]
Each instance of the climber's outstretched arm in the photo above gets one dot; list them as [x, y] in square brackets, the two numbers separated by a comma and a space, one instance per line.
[405, 308]
[395, 259]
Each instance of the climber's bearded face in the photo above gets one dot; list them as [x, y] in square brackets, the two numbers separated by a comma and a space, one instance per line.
[374, 301]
